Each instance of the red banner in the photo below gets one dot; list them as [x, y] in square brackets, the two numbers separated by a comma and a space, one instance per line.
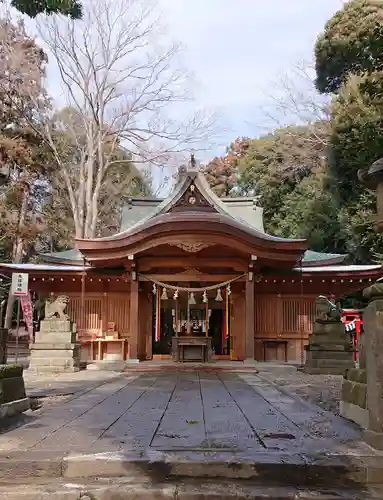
[26, 304]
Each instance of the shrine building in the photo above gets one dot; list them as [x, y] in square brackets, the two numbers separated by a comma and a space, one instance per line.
[192, 277]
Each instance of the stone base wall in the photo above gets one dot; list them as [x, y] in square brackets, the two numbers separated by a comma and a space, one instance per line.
[353, 404]
[55, 349]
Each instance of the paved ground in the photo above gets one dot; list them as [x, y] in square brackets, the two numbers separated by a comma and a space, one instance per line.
[65, 383]
[222, 414]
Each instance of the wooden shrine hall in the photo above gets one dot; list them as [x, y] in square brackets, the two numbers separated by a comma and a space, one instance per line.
[192, 277]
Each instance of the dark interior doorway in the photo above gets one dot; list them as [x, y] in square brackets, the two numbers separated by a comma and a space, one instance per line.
[164, 344]
[216, 331]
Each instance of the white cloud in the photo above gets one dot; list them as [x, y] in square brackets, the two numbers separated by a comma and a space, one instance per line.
[237, 49]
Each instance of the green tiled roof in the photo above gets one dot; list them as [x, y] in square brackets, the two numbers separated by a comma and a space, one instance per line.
[72, 255]
[135, 212]
[319, 257]
[243, 209]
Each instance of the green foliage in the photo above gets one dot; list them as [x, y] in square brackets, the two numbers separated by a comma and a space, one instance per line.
[287, 171]
[350, 44]
[357, 131]
[11, 371]
[356, 219]
[310, 212]
[349, 61]
[32, 8]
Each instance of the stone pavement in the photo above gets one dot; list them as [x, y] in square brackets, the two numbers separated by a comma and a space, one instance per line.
[65, 383]
[184, 412]
[194, 424]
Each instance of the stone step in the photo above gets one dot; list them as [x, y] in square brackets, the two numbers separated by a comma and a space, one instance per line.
[49, 368]
[186, 367]
[335, 370]
[333, 355]
[53, 347]
[183, 490]
[344, 363]
[264, 469]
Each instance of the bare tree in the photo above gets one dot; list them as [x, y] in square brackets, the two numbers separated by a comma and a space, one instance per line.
[123, 79]
[295, 100]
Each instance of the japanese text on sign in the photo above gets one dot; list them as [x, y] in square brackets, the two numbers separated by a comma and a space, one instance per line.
[20, 284]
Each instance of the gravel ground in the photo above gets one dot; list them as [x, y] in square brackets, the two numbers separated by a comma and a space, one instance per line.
[322, 390]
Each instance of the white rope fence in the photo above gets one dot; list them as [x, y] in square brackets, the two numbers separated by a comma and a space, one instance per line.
[191, 290]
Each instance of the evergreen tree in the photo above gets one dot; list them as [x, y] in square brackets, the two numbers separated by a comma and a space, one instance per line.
[32, 8]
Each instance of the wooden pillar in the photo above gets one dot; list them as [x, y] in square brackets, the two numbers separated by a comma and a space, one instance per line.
[238, 323]
[105, 307]
[134, 322]
[145, 324]
[250, 317]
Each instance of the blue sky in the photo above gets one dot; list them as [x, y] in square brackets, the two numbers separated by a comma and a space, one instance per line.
[237, 51]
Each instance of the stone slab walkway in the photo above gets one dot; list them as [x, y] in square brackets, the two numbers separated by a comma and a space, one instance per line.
[166, 428]
[46, 385]
[184, 413]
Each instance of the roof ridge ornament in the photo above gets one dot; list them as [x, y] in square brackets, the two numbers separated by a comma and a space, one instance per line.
[193, 162]
[190, 169]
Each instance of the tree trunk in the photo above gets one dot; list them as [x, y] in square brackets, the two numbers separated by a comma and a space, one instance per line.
[17, 254]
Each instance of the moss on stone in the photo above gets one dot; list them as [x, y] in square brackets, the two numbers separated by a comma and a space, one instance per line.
[355, 393]
[356, 375]
[11, 371]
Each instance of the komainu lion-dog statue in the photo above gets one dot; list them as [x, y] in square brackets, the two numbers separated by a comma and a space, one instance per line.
[55, 308]
[325, 310]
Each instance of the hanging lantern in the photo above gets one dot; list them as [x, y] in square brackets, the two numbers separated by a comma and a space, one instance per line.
[228, 290]
[154, 289]
[176, 295]
[164, 295]
[192, 301]
[204, 297]
[219, 296]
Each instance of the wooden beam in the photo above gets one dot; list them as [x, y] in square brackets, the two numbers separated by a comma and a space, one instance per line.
[215, 278]
[145, 264]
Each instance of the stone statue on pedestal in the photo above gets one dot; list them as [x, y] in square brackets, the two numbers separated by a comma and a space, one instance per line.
[57, 306]
[55, 349]
[329, 350]
[326, 311]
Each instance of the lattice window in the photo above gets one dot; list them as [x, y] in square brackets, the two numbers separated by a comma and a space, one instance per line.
[119, 312]
[89, 319]
[297, 315]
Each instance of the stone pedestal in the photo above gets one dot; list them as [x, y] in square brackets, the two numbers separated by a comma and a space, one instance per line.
[55, 349]
[329, 350]
[353, 400]
[373, 351]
